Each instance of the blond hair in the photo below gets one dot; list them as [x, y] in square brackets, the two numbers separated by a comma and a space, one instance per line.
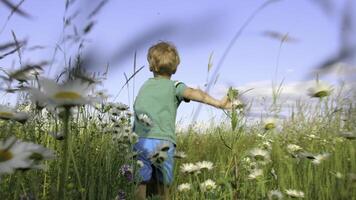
[163, 58]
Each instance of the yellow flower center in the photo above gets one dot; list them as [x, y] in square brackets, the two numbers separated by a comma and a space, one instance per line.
[5, 155]
[6, 115]
[322, 93]
[270, 126]
[67, 95]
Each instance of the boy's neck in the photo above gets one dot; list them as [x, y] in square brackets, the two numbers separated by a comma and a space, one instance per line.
[161, 76]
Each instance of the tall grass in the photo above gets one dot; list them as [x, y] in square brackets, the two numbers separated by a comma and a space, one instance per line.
[95, 158]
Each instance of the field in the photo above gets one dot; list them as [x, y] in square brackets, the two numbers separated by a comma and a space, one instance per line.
[312, 152]
[62, 137]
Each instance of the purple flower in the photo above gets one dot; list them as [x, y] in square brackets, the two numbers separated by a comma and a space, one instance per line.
[127, 171]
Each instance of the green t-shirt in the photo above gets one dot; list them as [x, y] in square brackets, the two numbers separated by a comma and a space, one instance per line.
[158, 99]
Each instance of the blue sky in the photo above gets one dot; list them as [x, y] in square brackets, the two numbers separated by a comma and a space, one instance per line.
[198, 28]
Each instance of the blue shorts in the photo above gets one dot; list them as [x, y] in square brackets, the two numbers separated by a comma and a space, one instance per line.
[146, 147]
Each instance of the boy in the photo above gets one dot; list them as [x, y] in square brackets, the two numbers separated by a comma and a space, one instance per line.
[155, 115]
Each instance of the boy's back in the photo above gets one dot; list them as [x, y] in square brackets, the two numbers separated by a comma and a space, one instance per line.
[158, 99]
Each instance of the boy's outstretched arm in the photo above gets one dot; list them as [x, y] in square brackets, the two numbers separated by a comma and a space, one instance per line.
[200, 96]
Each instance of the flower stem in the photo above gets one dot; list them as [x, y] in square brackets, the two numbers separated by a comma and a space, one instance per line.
[65, 156]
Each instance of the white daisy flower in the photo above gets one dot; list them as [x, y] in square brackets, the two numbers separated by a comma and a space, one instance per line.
[38, 98]
[189, 168]
[180, 154]
[269, 123]
[208, 185]
[238, 104]
[7, 113]
[139, 163]
[293, 148]
[143, 118]
[275, 194]
[294, 193]
[121, 106]
[255, 173]
[320, 90]
[184, 187]
[260, 155]
[13, 155]
[320, 157]
[133, 138]
[204, 165]
[38, 154]
[267, 145]
[163, 147]
[71, 93]
[159, 157]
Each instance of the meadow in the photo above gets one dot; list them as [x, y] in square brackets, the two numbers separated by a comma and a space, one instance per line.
[66, 139]
[86, 153]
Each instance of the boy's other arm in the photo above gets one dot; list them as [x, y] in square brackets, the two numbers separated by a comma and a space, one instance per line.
[200, 96]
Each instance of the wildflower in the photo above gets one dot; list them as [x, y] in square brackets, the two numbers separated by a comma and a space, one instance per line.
[7, 113]
[159, 157]
[71, 93]
[275, 194]
[320, 90]
[204, 165]
[238, 104]
[180, 154]
[293, 148]
[133, 138]
[320, 157]
[189, 168]
[164, 147]
[260, 155]
[306, 155]
[208, 185]
[38, 154]
[102, 94]
[294, 193]
[121, 106]
[121, 195]
[184, 187]
[12, 155]
[139, 163]
[255, 173]
[143, 118]
[269, 124]
[15, 154]
[312, 136]
[127, 172]
[267, 145]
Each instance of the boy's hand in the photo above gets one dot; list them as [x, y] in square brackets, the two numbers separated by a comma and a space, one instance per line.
[225, 103]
